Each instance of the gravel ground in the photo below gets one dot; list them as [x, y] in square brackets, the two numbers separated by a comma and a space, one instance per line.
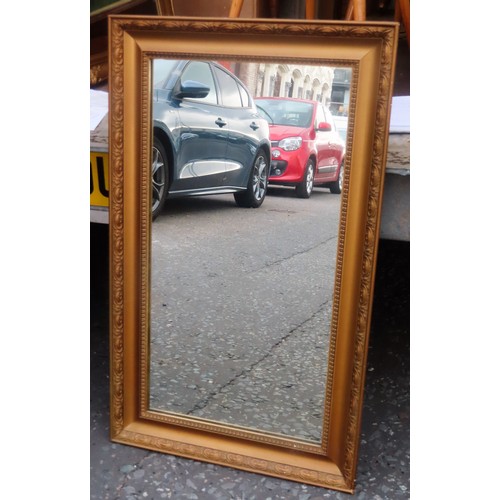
[123, 472]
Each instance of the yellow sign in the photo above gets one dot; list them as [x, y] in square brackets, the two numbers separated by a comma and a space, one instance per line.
[99, 179]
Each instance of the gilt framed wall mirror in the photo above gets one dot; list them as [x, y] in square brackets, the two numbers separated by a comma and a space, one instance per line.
[247, 166]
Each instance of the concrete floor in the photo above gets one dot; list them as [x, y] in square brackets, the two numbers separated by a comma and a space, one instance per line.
[123, 472]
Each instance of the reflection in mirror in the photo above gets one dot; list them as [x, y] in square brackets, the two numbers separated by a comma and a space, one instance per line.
[241, 300]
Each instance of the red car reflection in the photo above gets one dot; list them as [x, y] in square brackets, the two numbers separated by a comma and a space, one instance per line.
[307, 150]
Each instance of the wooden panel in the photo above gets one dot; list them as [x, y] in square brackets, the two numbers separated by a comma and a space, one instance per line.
[221, 8]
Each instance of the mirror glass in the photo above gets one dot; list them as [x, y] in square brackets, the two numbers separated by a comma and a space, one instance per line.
[242, 273]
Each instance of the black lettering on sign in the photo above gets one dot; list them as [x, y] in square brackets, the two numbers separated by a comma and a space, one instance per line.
[100, 176]
[91, 179]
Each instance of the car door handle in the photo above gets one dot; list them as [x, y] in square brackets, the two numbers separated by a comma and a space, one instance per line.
[254, 126]
[220, 122]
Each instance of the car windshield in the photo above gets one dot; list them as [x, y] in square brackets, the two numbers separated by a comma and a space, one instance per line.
[286, 112]
[161, 70]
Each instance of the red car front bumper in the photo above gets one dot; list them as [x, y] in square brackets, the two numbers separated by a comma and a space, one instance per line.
[288, 167]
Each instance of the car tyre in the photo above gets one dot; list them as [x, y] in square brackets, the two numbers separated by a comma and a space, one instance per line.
[336, 187]
[305, 188]
[159, 176]
[256, 190]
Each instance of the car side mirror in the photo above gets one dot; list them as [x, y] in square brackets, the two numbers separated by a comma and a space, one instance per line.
[324, 127]
[193, 89]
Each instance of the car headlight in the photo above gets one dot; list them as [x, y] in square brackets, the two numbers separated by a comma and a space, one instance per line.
[290, 143]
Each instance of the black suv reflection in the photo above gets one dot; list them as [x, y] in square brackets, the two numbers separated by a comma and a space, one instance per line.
[208, 136]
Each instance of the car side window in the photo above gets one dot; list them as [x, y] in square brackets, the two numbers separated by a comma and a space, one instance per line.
[329, 119]
[200, 72]
[245, 99]
[320, 116]
[230, 93]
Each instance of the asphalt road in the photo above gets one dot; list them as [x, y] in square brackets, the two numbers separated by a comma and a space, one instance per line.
[241, 310]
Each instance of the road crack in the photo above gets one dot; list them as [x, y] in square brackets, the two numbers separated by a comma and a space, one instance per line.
[302, 252]
[210, 397]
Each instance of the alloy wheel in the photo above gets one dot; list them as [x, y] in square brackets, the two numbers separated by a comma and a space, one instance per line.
[158, 177]
[309, 178]
[259, 182]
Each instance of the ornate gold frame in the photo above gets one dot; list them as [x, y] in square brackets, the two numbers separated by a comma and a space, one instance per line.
[370, 49]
